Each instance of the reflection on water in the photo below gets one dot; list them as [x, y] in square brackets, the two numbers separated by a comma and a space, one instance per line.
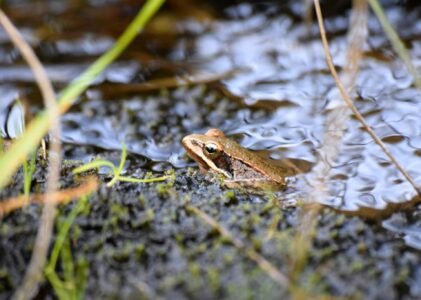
[12, 114]
[283, 66]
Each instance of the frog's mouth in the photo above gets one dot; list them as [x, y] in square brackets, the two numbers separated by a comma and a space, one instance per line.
[194, 149]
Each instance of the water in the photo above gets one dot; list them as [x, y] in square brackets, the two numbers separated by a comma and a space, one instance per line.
[286, 65]
[277, 100]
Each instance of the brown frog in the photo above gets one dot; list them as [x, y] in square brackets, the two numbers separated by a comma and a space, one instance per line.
[240, 166]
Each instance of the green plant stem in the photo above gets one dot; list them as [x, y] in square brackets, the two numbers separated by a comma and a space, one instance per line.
[397, 43]
[63, 248]
[146, 180]
[64, 230]
[67, 263]
[13, 158]
[118, 170]
[94, 165]
[28, 171]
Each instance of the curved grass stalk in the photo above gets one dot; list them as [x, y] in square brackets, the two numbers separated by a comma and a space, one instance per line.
[28, 171]
[117, 171]
[94, 165]
[33, 273]
[13, 158]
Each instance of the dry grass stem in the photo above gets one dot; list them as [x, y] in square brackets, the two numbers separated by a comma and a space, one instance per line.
[39, 254]
[357, 37]
[167, 83]
[145, 290]
[349, 102]
[262, 262]
[58, 197]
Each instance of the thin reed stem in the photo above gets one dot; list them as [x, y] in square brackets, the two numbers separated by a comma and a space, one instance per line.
[39, 255]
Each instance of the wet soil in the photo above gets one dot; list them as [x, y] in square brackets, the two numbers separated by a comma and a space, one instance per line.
[136, 234]
[139, 240]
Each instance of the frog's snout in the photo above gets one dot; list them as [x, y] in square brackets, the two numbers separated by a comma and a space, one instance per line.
[185, 141]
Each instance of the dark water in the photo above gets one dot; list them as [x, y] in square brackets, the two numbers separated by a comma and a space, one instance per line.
[277, 99]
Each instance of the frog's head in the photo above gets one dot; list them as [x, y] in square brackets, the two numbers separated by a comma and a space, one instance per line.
[208, 151]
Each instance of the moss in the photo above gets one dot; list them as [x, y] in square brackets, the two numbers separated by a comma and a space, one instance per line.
[194, 269]
[403, 275]
[120, 212]
[230, 198]
[229, 257]
[201, 248]
[257, 243]
[362, 247]
[142, 201]
[163, 189]
[76, 232]
[239, 292]
[214, 278]
[124, 253]
[6, 281]
[334, 234]
[340, 220]
[356, 266]
[326, 251]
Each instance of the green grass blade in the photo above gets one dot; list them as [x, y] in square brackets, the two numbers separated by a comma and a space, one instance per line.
[146, 180]
[122, 159]
[82, 82]
[117, 171]
[13, 158]
[81, 280]
[67, 263]
[94, 165]
[28, 171]
[397, 43]
[58, 286]
[61, 288]
[64, 230]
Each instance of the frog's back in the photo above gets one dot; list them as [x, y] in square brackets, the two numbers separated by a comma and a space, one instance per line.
[258, 166]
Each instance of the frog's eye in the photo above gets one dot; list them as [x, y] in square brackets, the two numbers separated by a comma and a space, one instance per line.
[211, 149]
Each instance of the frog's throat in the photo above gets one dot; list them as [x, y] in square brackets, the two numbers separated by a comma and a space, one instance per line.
[213, 167]
[210, 165]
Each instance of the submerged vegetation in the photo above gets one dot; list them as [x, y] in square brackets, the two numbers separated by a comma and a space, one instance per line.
[188, 237]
